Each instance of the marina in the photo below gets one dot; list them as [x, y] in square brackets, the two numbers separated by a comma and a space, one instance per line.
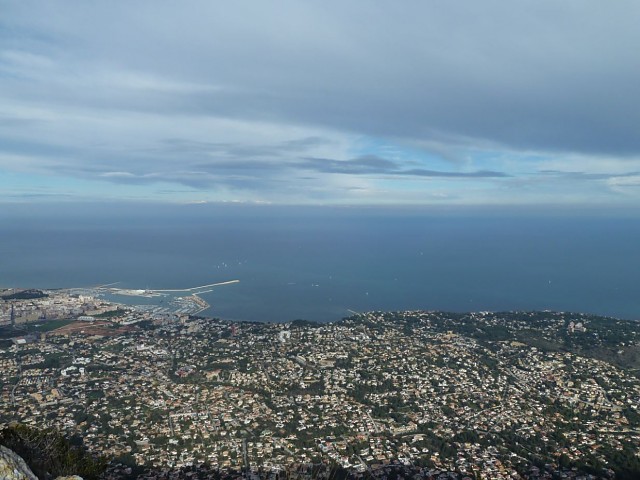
[157, 302]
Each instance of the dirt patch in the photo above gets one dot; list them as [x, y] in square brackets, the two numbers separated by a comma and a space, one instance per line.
[105, 329]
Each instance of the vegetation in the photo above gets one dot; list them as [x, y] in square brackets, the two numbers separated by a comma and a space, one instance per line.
[49, 454]
[305, 323]
[604, 338]
[7, 332]
[25, 295]
[48, 325]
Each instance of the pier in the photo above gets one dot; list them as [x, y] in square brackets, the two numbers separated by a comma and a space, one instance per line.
[229, 282]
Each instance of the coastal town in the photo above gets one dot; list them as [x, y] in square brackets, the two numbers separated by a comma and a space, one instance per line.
[479, 395]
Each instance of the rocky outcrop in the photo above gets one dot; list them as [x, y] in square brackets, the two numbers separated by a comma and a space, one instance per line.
[13, 467]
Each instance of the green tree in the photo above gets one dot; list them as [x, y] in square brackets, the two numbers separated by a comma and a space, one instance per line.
[49, 454]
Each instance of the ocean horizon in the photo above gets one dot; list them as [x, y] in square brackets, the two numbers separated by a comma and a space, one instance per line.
[322, 264]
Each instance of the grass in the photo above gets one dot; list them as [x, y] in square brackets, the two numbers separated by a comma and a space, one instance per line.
[48, 325]
[39, 326]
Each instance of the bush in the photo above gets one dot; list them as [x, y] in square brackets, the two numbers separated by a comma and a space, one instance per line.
[49, 454]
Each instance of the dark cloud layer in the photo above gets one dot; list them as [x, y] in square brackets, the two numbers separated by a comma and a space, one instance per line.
[543, 75]
[249, 94]
[373, 165]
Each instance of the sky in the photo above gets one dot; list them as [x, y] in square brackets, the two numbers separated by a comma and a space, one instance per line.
[321, 102]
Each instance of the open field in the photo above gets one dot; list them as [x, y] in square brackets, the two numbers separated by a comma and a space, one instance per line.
[25, 328]
[105, 329]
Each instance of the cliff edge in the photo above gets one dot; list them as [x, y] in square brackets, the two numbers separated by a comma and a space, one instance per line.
[13, 467]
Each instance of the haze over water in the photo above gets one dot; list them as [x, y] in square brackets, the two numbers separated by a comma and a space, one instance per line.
[319, 263]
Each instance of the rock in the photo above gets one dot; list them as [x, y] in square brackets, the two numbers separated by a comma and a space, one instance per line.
[70, 477]
[13, 467]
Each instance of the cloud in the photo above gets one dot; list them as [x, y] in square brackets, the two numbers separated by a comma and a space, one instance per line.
[252, 97]
[41, 195]
[433, 173]
[359, 166]
[373, 165]
[584, 176]
[542, 75]
[121, 176]
[624, 181]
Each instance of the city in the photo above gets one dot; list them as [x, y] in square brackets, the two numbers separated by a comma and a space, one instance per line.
[424, 390]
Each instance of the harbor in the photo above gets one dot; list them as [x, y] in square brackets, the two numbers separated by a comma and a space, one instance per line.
[185, 301]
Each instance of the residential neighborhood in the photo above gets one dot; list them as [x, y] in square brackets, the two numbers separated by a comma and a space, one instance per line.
[432, 391]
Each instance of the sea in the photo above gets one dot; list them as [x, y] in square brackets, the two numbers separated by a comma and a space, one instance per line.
[324, 263]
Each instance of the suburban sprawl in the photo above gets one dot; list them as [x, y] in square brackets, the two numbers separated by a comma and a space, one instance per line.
[379, 394]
